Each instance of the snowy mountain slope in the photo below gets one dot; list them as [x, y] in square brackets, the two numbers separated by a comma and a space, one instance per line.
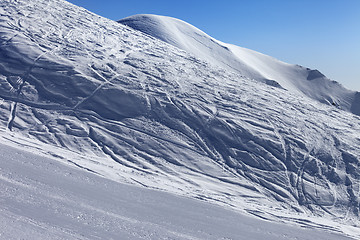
[39, 193]
[135, 109]
[249, 63]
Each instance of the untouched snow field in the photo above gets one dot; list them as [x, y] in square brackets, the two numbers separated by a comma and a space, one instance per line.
[44, 199]
[135, 109]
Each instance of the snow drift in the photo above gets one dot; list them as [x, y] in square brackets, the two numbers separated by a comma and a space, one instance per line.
[130, 107]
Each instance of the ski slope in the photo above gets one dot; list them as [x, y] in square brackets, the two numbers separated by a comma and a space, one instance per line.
[134, 109]
[42, 198]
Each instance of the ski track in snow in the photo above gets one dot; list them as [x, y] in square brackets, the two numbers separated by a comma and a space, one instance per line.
[111, 100]
[50, 200]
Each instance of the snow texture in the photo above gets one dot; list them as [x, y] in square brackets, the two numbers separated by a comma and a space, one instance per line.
[40, 194]
[236, 128]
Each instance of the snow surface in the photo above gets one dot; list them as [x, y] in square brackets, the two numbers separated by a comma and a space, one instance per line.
[249, 63]
[44, 199]
[127, 106]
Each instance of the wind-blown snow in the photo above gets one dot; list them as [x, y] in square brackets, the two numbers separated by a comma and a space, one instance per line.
[249, 63]
[128, 106]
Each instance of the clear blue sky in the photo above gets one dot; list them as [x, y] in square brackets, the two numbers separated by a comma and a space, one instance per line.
[321, 34]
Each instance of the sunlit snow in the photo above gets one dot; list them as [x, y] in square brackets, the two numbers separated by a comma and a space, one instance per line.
[231, 127]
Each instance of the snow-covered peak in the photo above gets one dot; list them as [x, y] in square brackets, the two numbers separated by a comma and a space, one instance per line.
[250, 64]
[168, 29]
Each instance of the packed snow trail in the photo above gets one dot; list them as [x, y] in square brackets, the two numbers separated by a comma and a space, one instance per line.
[132, 108]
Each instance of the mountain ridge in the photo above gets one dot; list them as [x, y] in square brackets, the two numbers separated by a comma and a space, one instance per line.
[249, 63]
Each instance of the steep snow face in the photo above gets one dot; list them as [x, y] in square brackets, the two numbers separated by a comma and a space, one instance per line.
[135, 109]
[249, 63]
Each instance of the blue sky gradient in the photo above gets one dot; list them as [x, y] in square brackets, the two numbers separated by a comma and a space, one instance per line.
[320, 34]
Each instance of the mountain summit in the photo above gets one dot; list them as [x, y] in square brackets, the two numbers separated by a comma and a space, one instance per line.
[195, 117]
[248, 63]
